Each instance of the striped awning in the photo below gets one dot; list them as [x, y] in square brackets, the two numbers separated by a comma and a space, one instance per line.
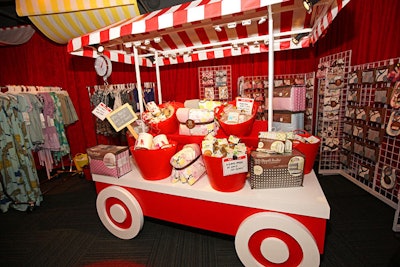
[16, 35]
[63, 20]
[187, 32]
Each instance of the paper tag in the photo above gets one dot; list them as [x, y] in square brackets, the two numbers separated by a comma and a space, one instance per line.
[234, 166]
[101, 111]
[245, 105]
[42, 121]
[50, 121]
[233, 117]
[25, 115]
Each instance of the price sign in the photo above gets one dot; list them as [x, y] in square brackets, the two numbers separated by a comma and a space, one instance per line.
[234, 166]
[123, 117]
[101, 111]
[245, 105]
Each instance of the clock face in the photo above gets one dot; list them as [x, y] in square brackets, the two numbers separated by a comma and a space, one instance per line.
[103, 66]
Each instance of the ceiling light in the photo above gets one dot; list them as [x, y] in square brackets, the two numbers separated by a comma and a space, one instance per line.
[146, 42]
[128, 45]
[308, 5]
[231, 25]
[262, 20]
[296, 39]
[217, 28]
[137, 43]
[246, 22]
[100, 49]
[157, 40]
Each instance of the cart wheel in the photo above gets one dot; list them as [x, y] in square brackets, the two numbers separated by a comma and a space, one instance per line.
[275, 239]
[120, 212]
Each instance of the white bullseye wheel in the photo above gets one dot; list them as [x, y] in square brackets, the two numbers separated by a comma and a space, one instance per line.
[275, 239]
[120, 212]
[274, 250]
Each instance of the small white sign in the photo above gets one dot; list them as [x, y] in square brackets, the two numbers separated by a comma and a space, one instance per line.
[234, 166]
[245, 105]
[101, 111]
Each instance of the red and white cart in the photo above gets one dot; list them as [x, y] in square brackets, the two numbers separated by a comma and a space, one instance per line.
[282, 227]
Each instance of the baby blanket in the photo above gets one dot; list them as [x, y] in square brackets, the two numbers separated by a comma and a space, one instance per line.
[198, 122]
[188, 165]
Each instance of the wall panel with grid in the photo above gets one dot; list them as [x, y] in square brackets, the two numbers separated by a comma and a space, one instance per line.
[332, 81]
[215, 83]
[371, 143]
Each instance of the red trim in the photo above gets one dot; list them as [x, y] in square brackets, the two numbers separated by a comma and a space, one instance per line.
[126, 29]
[168, 40]
[202, 34]
[185, 38]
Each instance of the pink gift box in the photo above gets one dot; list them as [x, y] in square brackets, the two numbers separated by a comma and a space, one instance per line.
[109, 160]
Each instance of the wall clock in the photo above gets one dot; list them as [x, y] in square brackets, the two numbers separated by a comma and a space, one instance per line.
[103, 66]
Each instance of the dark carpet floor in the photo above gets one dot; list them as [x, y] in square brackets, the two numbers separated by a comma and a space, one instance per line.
[66, 231]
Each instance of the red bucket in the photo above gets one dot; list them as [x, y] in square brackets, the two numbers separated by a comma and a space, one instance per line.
[310, 151]
[218, 181]
[169, 125]
[239, 129]
[145, 160]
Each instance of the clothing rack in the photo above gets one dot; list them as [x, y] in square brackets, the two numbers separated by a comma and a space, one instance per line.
[114, 96]
[29, 89]
[16, 89]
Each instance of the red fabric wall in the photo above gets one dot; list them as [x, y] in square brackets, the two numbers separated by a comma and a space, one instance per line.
[367, 27]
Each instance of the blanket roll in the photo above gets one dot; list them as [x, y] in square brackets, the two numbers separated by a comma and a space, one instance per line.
[195, 121]
[188, 164]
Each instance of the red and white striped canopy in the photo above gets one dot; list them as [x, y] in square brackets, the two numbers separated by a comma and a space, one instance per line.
[187, 32]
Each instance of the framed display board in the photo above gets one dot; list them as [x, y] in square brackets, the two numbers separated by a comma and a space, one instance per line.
[215, 83]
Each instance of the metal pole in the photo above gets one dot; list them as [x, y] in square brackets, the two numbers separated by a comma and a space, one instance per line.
[270, 67]
[158, 78]
[138, 83]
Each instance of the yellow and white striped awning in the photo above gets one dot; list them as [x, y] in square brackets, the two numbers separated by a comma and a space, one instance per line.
[62, 20]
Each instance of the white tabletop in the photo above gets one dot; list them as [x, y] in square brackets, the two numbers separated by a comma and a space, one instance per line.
[307, 200]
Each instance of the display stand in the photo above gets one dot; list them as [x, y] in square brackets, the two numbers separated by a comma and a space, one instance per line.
[282, 226]
[396, 220]
[215, 83]
[363, 151]
[331, 108]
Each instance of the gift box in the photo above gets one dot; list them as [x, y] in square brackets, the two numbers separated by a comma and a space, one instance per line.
[276, 170]
[109, 160]
[288, 98]
[287, 121]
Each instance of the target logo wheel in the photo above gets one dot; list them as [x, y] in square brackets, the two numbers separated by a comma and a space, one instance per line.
[120, 212]
[275, 239]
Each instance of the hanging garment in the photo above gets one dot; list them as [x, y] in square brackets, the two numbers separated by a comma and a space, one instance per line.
[59, 124]
[17, 167]
[31, 109]
[67, 108]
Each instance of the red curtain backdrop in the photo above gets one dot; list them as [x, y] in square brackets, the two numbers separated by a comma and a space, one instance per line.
[367, 27]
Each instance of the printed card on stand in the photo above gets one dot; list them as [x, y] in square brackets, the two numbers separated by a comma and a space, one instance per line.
[245, 105]
[101, 111]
